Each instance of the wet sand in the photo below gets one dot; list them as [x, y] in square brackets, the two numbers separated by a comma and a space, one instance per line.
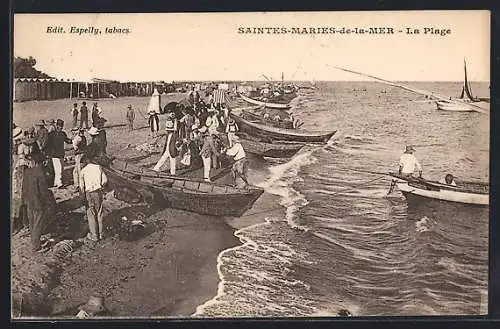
[167, 272]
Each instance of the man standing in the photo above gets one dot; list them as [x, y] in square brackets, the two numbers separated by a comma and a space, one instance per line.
[92, 182]
[207, 152]
[42, 135]
[74, 113]
[95, 114]
[36, 196]
[84, 116]
[239, 166]
[408, 163]
[55, 150]
[130, 117]
[170, 150]
[79, 145]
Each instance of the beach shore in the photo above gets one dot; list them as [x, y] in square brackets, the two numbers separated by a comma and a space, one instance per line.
[166, 273]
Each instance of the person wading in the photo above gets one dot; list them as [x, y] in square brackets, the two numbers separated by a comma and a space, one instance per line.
[170, 150]
[130, 117]
[36, 196]
[74, 113]
[55, 147]
[79, 145]
[239, 167]
[92, 183]
[84, 116]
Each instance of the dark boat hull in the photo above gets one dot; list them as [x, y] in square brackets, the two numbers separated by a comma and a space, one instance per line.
[271, 150]
[185, 194]
[273, 133]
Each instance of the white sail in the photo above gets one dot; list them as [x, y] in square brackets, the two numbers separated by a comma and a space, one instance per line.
[154, 102]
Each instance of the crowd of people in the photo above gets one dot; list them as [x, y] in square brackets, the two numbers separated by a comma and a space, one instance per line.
[38, 163]
[199, 134]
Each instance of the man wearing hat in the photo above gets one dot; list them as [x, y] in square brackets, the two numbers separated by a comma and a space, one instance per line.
[94, 307]
[55, 149]
[239, 166]
[130, 117]
[74, 113]
[408, 163]
[94, 147]
[84, 116]
[208, 152]
[92, 183]
[102, 139]
[36, 196]
[231, 130]
[171, 149]
[42, 135]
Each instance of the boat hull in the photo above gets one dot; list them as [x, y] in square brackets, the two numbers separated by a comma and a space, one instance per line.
[453, 107]
[293, 135]
[410, 191]
[185, 194]
[266, 104]
[271, 150]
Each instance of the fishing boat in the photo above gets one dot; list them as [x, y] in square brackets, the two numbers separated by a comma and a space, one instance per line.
[466, 99]
[472, 193]
[180, 192]
[281, 106]
[271, 150]
[253, 116]
[259, 130]
[456, 106]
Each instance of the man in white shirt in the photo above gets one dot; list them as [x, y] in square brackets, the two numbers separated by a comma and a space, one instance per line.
[92, 182]
[239, 156]
[408, 163]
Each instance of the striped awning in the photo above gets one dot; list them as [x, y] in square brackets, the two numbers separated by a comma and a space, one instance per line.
[219, 96]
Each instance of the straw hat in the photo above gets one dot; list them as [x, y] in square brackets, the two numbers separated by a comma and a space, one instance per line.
[194, 127]
[231, 121]
[59, 123]
[94, 305]
[203, 129]
[129, 106]
[40, 123]
[51, 121]
[17, 133]
[169, 125]
[30, 137]
[93, 131]
[409, 149]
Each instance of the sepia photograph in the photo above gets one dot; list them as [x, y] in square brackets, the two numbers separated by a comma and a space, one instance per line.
[250, 165]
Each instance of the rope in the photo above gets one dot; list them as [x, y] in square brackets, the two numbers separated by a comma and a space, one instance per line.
[358, 185]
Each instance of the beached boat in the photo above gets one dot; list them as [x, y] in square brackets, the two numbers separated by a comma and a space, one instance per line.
[272, 133]
[271, 150]
[472, 193]
[281, 106]
[456, 106]
[180, 192]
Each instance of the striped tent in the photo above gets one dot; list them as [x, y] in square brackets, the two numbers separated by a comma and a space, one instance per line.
[220, 96]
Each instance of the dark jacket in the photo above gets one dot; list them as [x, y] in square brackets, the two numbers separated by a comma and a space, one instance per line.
[172, 150]
[35, 192]
[84, 112]
[55, 144]
[99, 143]
[42, 138]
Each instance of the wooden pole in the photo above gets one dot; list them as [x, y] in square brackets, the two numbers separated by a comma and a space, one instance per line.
[78, 89]
[70, 89]
[98, 90]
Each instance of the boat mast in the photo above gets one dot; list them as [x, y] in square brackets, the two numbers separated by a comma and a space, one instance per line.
[466, 87]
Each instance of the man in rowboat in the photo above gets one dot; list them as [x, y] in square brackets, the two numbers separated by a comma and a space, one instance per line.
[408, 164]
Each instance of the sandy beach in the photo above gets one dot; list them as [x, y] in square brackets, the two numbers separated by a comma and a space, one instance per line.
[165, 273]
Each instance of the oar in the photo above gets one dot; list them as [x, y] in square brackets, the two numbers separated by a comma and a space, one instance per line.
[373, 172]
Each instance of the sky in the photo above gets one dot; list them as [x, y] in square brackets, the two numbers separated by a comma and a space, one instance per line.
[207, 46]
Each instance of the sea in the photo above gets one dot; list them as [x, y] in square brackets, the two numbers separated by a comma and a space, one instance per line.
[340, 243]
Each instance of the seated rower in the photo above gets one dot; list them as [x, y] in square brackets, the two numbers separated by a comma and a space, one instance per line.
[449, 180]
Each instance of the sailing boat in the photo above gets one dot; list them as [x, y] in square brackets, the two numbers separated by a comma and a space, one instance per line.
[462, 104]
[444, 103]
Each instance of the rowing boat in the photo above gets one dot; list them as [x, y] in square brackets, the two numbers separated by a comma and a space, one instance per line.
[473, 193]
[259, 130]
[271, 150]
[281, 106]
[247, 114]
[454, 106]
[182, 193]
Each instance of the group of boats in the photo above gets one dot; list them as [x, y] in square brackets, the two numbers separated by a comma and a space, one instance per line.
[261, 136]
[187, 191]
